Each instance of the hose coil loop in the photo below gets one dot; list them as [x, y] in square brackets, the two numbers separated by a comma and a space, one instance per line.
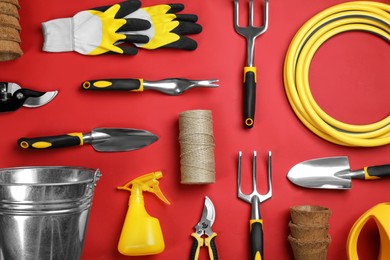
[372, 17]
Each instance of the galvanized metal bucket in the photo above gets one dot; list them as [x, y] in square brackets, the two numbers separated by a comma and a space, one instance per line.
[44, 211]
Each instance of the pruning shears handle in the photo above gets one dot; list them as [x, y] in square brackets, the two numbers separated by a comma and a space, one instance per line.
[209, 242]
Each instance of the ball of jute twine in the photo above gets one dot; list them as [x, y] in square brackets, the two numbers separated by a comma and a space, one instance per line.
[196, 147]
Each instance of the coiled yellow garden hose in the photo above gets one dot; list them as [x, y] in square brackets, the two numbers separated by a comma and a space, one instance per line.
[372, 17]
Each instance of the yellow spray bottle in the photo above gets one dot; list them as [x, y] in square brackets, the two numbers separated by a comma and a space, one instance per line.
[141, 233]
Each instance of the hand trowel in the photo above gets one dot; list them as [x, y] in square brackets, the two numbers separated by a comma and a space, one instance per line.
[333, 173]
[101, 139]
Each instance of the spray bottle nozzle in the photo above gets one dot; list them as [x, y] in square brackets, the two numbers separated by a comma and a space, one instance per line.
[147, 182]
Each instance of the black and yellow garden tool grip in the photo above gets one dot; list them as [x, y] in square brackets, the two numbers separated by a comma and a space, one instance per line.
[249, 96]
[210, 243]
[113, 84]
[376, 172]
[196, 244]
[256, 229]
[71, 139]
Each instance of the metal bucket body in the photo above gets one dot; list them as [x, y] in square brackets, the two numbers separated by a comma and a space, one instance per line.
[44, 211]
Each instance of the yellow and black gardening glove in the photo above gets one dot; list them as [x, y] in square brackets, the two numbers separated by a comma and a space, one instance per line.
[96, 31]
[168, 29]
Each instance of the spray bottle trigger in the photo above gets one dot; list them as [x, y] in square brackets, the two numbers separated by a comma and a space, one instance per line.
[148, 182]
[159, 194]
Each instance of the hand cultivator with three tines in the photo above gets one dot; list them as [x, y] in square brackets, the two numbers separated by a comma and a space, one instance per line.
[250, 32]
[254, 198]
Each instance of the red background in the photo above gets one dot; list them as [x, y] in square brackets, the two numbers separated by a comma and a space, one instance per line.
[349, 79]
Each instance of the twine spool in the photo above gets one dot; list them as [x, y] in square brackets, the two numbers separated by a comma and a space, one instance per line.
[196, 147]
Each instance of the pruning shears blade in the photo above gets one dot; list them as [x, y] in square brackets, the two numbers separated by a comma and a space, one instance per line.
[208, 211]
[12, 97]
[41, 100]
[207, 219]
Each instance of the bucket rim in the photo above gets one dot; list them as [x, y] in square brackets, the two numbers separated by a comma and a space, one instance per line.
[94, 178]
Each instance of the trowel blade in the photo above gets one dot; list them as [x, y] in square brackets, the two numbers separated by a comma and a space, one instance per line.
[322, 173]
[121, 139]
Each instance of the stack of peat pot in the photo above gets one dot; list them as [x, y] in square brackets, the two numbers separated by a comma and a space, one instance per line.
[309, 236]
[9, 30]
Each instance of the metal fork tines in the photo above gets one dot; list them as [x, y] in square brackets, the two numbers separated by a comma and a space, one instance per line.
[176, 86]
[250, 32]
[254, 198]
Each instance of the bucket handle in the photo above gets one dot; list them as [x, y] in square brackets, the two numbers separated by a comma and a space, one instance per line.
[96, 177]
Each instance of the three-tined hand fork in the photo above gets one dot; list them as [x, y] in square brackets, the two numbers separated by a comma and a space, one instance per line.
[254, 198]
[250, 33]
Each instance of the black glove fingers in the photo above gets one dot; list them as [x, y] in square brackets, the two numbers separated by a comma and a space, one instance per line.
[183, 43]
[187, 28]
[187, 17]
[126, 7]
[175, 8]
[136, 38]
[127, 50]
[135, 24]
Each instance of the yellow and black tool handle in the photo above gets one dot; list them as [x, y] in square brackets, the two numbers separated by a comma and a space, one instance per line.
[71, 139]
[113, 84]
[198, 242]
[249, 96]
[256, 238]
[210, 243]
[376, 172]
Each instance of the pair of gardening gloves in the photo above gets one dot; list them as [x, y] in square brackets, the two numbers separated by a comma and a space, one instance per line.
[121, 29]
